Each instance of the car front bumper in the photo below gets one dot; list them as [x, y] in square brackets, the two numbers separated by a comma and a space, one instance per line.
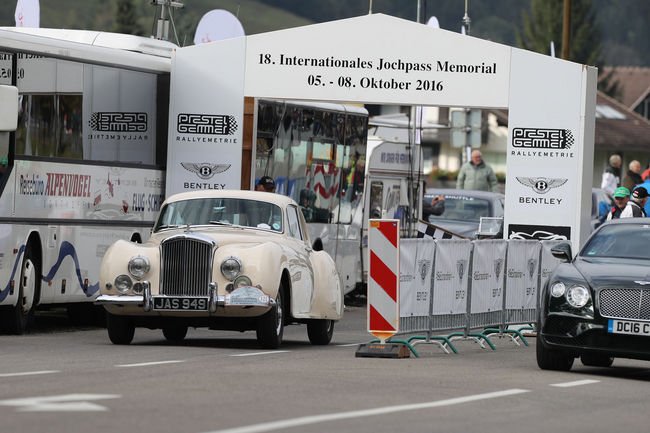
[578, 335]
[240, 297]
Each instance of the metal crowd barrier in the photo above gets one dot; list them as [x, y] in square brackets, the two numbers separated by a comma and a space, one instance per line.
[472, 289]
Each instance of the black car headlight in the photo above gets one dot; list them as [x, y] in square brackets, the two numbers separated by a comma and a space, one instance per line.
[572, 297]
[138, 266]
[558, 289]
[578, 296]
[231, 268]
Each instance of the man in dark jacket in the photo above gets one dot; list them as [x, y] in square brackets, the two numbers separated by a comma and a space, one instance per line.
[633, 177]
[434, 207]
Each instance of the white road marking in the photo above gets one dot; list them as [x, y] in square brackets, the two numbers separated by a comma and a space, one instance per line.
[315, 419]
[146, 364]
[262, 353]
[348, 345]
[29, 373]
[575, 383]
[59, 403]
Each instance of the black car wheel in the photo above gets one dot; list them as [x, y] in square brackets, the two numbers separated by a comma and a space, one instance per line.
[320, 331]
[270, 326]
[120, 329]
[175, 333]
[595, 360]
[548, 359]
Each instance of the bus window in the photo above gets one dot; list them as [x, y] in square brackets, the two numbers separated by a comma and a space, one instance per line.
[70, 135]
[37, 124]
[376, 199]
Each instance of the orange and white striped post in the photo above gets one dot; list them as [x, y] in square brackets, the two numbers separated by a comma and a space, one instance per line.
[383, 278]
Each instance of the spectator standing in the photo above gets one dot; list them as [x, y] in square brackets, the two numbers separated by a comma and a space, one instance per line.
[612, 175]
[646, 173]
[477, 175]
[634, 208]
[266, 183]
[307, 199]
[621, 197]
[633, 176]
[646, 185]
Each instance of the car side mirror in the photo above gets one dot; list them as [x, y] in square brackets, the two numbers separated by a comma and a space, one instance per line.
[562, 251]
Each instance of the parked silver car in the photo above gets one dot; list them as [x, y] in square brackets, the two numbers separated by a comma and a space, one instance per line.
[464, 210]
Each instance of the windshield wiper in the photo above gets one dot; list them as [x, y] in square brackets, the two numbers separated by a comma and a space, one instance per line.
[167, 226]
[220, 223]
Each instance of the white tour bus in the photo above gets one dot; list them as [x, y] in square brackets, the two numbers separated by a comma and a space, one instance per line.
[83, 167]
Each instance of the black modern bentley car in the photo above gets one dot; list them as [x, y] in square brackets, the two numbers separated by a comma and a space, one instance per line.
[596, 305]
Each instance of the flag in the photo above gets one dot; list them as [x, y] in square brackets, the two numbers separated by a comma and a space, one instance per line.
[28, 13]
[426, 230]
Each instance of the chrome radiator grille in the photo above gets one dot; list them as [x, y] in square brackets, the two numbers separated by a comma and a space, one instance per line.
[625, 303]
[186, 267]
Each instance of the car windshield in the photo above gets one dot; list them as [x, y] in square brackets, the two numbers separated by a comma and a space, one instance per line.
[462, 208]
[220, 211]
[620, 241]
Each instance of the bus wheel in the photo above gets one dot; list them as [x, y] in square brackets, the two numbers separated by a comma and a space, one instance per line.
[120, 329]
[20, 316]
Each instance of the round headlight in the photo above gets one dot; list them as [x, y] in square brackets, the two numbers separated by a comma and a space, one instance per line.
[577, 296]
[123, 283]
[242, 281]
[139, 266]
[138, 288]
[230, 268]
[558, 289]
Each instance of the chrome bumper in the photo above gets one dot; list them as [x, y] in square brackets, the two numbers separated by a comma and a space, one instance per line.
[242, 297]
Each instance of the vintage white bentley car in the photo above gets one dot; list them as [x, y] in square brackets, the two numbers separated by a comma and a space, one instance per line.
[229, 260]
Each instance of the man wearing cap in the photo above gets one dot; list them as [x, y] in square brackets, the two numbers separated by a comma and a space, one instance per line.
[266, 183]
[634, 208]
[621, 197]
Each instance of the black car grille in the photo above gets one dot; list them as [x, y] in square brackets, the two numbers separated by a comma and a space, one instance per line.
[186, 266]
[631, 304]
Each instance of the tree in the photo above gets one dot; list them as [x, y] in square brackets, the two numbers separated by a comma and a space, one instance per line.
[543, 25]
[125, 19]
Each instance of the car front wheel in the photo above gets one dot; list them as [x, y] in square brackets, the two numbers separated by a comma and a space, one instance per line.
[320, 331]
[120, 329]
[270, 326]
[548, 359]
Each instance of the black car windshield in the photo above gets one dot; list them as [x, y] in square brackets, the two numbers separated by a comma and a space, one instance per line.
[620, 241]
[462, 208]
[220, 211]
